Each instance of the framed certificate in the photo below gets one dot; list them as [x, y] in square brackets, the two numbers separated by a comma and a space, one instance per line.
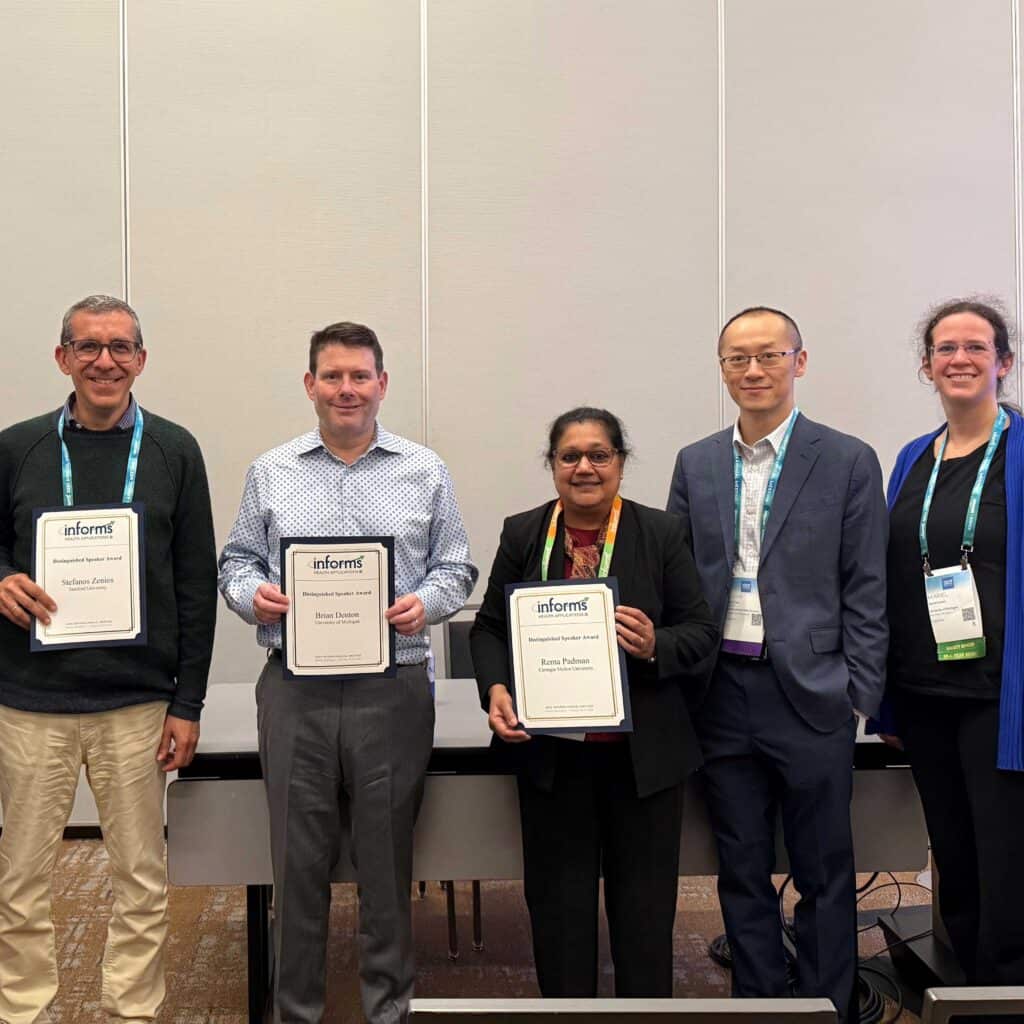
[569, 673]
[91, 560]
[339, 589]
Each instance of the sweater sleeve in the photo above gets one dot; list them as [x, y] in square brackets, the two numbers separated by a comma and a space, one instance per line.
[7, 566]
[195, 584]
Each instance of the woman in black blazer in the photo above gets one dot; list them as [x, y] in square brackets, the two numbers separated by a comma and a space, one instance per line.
[613, 803]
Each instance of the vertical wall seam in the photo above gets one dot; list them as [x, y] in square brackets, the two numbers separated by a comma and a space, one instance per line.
[1018, 206]
[125, 179]
[720, 12]
[424, 233]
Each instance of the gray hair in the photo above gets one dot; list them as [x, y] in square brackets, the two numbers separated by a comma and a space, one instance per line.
[97, 305]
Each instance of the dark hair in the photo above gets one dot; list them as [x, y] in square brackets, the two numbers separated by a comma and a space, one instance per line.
[345, 333]
[587, 414]
[759, 311]
[97, 305]
[990, 310]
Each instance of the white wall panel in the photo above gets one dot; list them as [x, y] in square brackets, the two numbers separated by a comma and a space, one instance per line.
[274, 188]
[868, 175]
[1017, 392]
[573, 258]
[60, 177]
[572, 170]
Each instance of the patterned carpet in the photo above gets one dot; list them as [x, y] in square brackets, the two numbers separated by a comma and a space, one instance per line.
[206, 954]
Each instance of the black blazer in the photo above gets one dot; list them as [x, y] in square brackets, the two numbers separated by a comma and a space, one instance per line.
[656, 573]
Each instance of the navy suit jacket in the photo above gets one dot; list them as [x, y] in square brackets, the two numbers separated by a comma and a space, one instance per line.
[822, 568]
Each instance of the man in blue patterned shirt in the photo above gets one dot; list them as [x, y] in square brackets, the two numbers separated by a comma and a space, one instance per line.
[367, 738]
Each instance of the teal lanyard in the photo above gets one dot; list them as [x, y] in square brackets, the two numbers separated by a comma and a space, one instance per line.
[971, 519]
[773, 481]
[130, 471]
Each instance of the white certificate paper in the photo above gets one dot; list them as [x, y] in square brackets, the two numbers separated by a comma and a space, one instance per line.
[569, 672]
[339, 589]
[90, 560]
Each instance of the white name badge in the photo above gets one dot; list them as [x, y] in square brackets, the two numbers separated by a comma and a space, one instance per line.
[743, 632]
[955, 612]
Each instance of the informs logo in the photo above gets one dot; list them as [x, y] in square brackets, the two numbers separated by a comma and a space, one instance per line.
[554, 605]
[80, 529]
[328, 564]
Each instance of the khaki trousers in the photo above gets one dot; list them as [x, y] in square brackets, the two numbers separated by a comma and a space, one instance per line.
[41, 756]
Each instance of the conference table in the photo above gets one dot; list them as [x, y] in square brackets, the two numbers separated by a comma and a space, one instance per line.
[468, 829]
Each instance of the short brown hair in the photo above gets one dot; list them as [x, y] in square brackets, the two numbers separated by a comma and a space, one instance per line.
[345, 333]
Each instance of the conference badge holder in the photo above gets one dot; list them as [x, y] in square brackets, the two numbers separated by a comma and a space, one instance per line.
[743, 632]
[955, 613]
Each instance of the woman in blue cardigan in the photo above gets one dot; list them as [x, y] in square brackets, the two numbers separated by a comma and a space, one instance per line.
[956, 610]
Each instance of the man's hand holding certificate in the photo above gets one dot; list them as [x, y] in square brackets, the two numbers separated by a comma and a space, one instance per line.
[569, 671]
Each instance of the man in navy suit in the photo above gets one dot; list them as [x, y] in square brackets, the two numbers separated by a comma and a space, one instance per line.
[788, 524]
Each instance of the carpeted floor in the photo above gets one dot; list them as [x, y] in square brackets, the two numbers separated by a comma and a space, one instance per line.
[206, 954]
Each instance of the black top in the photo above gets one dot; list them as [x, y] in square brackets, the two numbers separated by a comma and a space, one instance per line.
[654, 566]
[913, 664]
[181, 568]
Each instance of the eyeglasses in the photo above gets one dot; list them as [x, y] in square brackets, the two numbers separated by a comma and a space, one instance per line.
[766, 360]
[597, 457]
[972, 349]
[88, 351]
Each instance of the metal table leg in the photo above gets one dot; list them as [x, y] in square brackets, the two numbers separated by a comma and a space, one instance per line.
[257, 915]
[478, 929]
[453, 935]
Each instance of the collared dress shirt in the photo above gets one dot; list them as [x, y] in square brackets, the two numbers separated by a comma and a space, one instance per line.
[126, 422]
[395, 488]
[758, 460]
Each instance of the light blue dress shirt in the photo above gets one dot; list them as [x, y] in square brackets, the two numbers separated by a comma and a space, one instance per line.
[395, 488]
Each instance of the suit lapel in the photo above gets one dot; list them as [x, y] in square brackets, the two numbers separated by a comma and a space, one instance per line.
[722, 471]
[800, 458]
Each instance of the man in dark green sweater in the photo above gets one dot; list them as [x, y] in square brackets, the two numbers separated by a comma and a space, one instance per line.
[130, 714]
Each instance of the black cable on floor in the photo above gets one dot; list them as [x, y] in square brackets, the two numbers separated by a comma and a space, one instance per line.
[870, 998]
[897, 996]
[870, 1002]
[870, 882]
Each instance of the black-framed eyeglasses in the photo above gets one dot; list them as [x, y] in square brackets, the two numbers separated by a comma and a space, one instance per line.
[597, 457]
[766, 360]
[88, 351]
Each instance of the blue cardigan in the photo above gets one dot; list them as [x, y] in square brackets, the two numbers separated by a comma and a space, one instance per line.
[1011, 700]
